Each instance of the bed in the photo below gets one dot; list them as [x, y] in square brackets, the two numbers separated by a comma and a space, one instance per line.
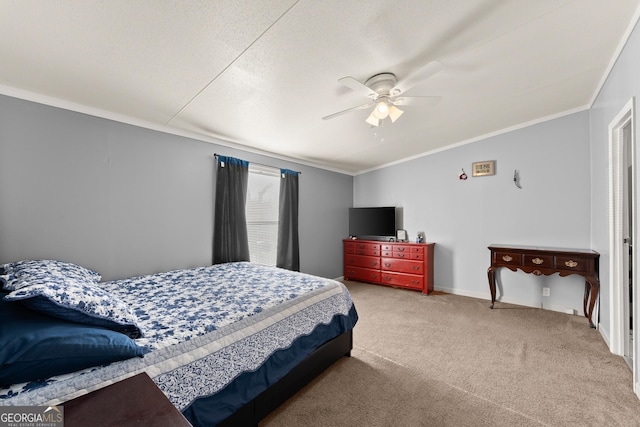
[226, 343]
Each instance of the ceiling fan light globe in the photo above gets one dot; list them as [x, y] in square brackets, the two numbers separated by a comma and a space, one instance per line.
[395, 113]
[382, 110]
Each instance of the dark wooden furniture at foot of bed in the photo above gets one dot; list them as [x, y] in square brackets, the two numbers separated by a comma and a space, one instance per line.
[136, 401]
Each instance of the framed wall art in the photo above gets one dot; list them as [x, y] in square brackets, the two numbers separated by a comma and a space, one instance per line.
[486, 168]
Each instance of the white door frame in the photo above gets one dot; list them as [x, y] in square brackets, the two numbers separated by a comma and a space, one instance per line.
[616, 217]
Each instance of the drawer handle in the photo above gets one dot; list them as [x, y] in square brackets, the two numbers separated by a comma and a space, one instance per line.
[401, 249]
[387, 264]
[537, 261]
[415, 282]
[415, 267]
[571, 263]
[507, 258]
[388, 279]
[374, 263]
[401, 256]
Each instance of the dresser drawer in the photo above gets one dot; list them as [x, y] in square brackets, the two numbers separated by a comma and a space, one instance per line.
[402, 248]
[542, 261]
[362, 261]
[507, 258]
[572, 263]
[359, 273]
[372, 249]
[386, 253]
[402, 255]
[402, 266]
[366, 246]
[402, 280]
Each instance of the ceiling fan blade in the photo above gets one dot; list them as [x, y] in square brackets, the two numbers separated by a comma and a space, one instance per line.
[348, 110]
[416, 77]
[356, 86]
[416, 100]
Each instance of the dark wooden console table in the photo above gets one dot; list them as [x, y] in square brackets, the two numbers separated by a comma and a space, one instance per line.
[546, 261]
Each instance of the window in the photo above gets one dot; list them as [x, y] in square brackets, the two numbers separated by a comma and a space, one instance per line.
[262, 213]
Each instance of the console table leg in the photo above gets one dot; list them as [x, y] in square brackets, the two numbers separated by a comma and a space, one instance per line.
[587, 292]
[491, 273]
[594, 285]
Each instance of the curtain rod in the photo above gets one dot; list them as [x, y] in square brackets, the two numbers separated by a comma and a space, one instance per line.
[260, 164]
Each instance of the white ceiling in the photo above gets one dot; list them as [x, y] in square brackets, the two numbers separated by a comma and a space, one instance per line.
[261, 74]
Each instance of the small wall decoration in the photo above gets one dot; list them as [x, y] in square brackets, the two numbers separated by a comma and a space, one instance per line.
[516, 178]
[485, 168]
[463, 175]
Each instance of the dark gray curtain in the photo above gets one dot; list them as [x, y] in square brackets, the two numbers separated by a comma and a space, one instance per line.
[288, 246]
[230, 241]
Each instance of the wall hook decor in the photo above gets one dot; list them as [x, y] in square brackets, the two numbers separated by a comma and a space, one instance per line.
[516, 178]
[463, 175]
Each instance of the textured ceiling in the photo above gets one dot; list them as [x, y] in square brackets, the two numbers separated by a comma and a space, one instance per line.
[260, 75]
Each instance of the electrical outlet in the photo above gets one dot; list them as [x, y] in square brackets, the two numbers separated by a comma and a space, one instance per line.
[546, 292]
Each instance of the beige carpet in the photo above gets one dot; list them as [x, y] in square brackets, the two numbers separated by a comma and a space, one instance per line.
[447, 360]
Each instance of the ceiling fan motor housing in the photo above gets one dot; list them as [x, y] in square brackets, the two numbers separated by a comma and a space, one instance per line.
[381, 83]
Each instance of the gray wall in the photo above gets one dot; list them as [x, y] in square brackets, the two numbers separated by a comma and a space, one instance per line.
[126, 201]
[464, 217]
[621, 85]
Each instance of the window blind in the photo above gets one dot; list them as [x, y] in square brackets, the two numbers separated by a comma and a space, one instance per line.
[262, 213]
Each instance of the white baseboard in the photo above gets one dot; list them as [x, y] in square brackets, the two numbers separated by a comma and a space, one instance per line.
[605, 336]
[515, 301]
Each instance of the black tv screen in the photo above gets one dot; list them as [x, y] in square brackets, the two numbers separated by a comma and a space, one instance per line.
[372, 223]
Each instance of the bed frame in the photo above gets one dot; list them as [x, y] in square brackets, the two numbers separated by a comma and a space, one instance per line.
[318, 361]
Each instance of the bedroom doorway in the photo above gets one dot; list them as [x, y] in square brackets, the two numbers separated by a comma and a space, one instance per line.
[623, 315]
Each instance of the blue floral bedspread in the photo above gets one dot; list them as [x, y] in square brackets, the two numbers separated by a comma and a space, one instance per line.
[204, 327]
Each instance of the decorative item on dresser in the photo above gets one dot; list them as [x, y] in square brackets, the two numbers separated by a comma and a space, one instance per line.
[400, 264]
[545, 261]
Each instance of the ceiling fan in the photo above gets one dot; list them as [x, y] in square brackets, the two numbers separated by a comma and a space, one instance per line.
[386, 93]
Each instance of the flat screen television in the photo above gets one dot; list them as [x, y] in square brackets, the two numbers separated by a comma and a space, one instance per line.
[375, 223]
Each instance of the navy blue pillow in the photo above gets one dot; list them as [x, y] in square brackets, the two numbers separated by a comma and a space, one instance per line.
[69, 299]
[34, 346]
